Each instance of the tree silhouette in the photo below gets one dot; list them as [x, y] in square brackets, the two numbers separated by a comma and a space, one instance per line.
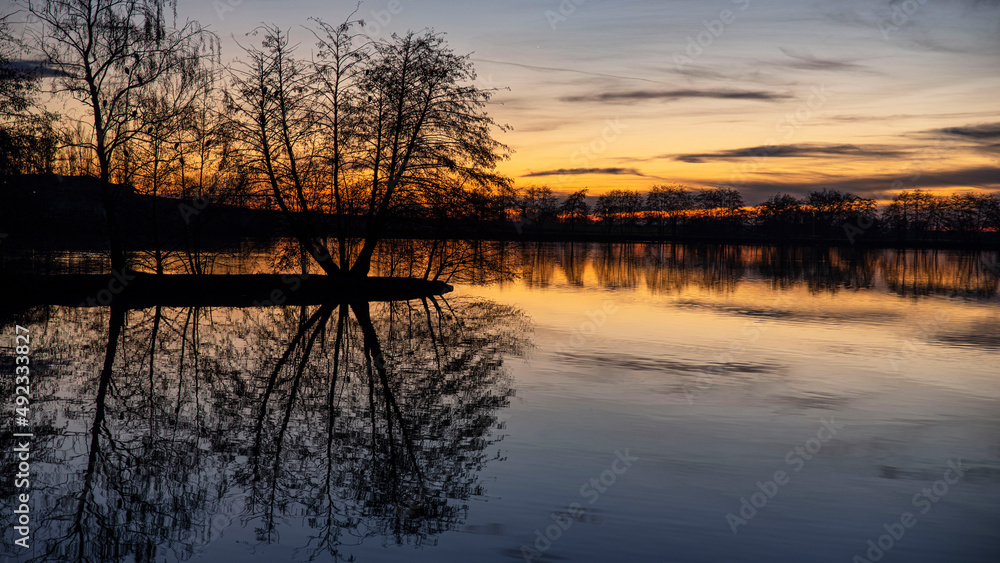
[107, 54]
[377, 126]
[28, 140]
[668, 201]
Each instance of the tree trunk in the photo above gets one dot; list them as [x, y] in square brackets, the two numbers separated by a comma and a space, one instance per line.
[116, 246]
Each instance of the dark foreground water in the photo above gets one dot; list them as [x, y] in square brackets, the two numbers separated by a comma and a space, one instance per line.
[615, 403]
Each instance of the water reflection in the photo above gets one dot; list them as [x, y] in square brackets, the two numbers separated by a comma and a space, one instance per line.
[671, 268]
[158, 429]
[659, 267]
[330, 430]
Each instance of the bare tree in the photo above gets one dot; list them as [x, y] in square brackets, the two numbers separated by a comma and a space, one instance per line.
[17, 84]
[27, 134]
[107, 53]
[619, 207]
[377, 126]
[272, 105]
[668, 201]
[575, 209]
[426, 120]
[339, 65]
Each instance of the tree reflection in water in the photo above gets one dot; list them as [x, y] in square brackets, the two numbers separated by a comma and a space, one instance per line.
[355, 420]
[665, 268]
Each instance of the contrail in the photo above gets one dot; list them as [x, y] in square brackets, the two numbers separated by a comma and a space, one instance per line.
[550, 68]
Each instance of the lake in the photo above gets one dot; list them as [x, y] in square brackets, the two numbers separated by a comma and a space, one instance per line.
[621, 402]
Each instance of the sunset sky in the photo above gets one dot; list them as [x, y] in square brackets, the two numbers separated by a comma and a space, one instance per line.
[860, 95]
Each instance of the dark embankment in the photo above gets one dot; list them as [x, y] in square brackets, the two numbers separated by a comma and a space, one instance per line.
[138, 291]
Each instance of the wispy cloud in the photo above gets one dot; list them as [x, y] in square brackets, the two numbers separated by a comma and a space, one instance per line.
[580, 171]
[982, 177]
[795, 151]
[805, 61]
[34, 67]
[570, 70]
[672, 95]
[848, 118]
[981, 132]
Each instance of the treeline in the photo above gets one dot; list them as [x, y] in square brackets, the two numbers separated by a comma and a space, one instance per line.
[677, 212]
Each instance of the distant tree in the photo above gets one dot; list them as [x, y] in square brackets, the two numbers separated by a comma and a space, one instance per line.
[781, 215]
[671, 201]
[538, 205]
[993, 214]
[898, 215]
[720, 201]
[723, 210]
[107, 54]
[970, 214]
[182, 152]
[832, 209]
[620, 208]
[919, 215]
[574, 209]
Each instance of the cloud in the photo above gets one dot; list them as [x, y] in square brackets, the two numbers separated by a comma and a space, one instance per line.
[580, 171]
[961, 27]
[868, 118]
[671, 95]
[981, 132]
[795, 151]
[984, 177]
[805, 61]
[34, 67]
[982, 137]
[572, 70]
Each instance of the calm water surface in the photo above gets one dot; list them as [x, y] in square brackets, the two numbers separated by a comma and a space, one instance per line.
[614, 403]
